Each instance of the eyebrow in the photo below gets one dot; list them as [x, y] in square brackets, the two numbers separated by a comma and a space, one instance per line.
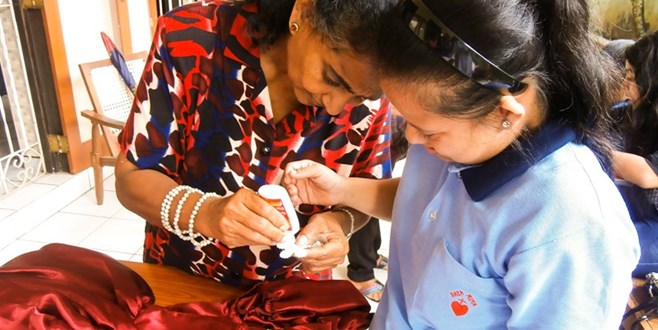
[330, 70]
[419, 129]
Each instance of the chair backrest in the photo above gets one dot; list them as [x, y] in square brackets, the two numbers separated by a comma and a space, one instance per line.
[108, 92]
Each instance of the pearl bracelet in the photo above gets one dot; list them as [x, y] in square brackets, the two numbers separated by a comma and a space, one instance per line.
[166, 205]
[192, 236]
[350, 215]
[180, 233]
[189, 234]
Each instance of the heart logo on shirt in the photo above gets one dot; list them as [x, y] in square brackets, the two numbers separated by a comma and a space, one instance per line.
[458, 308]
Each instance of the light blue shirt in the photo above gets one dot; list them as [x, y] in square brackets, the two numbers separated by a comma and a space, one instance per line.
[518, 244]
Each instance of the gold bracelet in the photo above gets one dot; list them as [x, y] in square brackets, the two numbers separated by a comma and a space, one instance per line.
[349, 214]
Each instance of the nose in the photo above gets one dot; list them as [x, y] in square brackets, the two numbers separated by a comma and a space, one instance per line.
[337, 102]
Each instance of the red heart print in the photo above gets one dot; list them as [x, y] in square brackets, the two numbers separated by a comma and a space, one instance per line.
[458, 308]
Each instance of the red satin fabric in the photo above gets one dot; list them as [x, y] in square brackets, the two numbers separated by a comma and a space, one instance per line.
[66, 287]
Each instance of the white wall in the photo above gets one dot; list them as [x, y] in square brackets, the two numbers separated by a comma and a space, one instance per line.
[83, 43]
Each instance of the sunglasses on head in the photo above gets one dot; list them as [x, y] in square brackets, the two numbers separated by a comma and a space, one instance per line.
[455, 51]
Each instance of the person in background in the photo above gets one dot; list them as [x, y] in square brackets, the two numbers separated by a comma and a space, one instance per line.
[233, 91]
[636, 163]
[506, 215]
[619, 111]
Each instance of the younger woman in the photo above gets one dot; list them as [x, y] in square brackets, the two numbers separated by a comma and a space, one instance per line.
[505, 216]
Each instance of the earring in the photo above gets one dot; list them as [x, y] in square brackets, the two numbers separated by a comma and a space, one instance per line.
[294, 27]
[506, 124]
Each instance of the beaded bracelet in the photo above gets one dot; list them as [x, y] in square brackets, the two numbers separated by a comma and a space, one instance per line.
[179, 207]
[192, 236]
[189, 234]
[349, 214]
[166, 205]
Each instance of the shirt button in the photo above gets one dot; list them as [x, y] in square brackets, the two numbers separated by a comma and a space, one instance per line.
[265, 151]
[433, 215]
[459, 175]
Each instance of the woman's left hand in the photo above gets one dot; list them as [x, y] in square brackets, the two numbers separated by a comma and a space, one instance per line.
[332, 248]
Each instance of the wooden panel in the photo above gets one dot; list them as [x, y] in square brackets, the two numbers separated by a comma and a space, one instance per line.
[78, 155]
[124, 23]
[153, 13]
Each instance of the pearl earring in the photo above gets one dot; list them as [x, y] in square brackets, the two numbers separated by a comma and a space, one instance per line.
[507, 124]
[294, 27]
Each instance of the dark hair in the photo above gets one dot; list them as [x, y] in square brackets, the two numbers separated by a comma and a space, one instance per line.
[617, 50]
[643, 131]
[546, 41]
[343, 24]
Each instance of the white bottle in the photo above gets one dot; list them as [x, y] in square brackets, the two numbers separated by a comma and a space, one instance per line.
[278, 197]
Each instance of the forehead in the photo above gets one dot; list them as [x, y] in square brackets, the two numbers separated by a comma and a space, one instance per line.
[359, 71]
[424, 94]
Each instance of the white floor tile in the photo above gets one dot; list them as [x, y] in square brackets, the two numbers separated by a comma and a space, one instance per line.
[108, 171]
[86, 204]
[137, 257]
[128, 215]
[5, 213]
[65, 228]
[7, 234]
[55, 179]
[116, 235]
[385, 230]
[77, 185]
[17, 248]
[23, 221]
[116, 255]
[47, 205]
[20, 197]
[108, 184]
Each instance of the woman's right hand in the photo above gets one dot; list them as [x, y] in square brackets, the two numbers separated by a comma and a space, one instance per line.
[309, 182]
[242, 219]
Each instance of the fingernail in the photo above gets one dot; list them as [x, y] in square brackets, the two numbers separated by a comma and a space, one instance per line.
[302, 240]
[284, 227]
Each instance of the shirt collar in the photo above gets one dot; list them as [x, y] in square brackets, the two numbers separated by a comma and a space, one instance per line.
[482, 180]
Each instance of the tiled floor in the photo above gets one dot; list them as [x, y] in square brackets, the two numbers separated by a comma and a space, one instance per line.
[61, 208]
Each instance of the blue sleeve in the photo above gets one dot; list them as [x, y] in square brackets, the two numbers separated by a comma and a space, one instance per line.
[554, 286]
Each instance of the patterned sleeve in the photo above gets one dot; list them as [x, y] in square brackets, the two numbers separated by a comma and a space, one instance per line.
[150, 136]
[374, 157]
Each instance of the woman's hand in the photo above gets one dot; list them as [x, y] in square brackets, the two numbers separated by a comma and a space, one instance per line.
[309, 182]
[242, 219]
[325, 228]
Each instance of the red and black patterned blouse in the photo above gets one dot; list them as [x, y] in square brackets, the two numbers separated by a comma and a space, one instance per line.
[202, 116]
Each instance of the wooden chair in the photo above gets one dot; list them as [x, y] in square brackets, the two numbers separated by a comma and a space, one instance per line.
[111, 100]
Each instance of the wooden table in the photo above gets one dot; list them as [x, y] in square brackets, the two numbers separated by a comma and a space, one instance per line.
[174, 286]
[638, 295]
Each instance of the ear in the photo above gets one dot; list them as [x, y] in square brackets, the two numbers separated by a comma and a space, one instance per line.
[511, 109]
[300, 12]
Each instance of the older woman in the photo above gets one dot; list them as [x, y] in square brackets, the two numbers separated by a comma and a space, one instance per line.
[231, 93]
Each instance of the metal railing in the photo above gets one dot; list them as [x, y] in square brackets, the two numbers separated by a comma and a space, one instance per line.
[21, 155]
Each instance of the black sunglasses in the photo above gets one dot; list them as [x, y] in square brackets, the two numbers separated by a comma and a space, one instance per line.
[455, 51]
